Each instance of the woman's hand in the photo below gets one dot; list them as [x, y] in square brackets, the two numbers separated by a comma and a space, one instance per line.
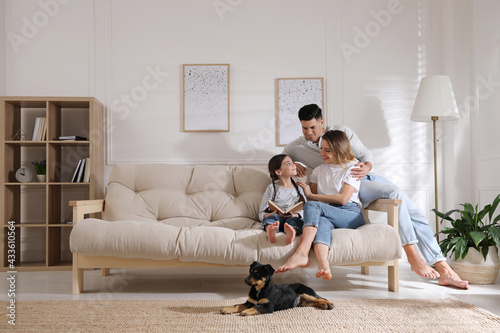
[306, 188]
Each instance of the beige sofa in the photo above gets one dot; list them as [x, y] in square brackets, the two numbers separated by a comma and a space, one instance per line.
[161, 215]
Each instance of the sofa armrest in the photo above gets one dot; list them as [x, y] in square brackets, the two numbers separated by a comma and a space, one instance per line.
[389, 206]
[82, 207]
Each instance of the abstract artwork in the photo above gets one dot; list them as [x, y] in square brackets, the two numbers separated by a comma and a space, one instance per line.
[206, 98]
[292, 94]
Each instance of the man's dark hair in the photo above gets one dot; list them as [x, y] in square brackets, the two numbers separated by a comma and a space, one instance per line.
[309, 112]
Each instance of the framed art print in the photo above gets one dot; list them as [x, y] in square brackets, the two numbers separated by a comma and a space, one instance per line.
[292, 94]
[206, 98]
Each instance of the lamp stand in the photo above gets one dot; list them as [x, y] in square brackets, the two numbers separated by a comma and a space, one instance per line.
[434, 121]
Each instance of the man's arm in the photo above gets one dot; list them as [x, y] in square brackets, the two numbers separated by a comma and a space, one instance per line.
[363, 154]
[358, 148]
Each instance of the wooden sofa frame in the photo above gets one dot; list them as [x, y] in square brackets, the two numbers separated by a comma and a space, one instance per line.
[82, 262]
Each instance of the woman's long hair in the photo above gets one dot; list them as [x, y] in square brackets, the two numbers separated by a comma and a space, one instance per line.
[341, 146]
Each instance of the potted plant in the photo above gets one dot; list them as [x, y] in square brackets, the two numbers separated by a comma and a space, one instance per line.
[474, 237]
[41, 169]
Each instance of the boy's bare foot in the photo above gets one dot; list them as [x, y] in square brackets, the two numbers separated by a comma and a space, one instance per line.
[296, 260]
[290, 233]
[271, 231]
[449, 277]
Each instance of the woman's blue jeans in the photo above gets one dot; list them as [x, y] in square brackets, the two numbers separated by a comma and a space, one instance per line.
[294, 222]
[413, 227]
[327, 217]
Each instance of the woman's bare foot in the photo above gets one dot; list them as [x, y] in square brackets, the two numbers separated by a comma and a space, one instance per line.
[271, 231]
[290, 233]
[449, 277]
[418, 265]
[324, 271]
[296, 260]
[325, 274]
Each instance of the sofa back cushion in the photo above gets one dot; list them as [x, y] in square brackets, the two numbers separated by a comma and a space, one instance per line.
[158, 192]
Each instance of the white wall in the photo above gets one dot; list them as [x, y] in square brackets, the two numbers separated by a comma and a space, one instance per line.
[484, 106]
[372, 55]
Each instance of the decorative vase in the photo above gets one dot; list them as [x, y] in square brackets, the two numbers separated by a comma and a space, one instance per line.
[475, 269]
[41, 178]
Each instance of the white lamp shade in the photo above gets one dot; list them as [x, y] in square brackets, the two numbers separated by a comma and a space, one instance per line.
[435, 98]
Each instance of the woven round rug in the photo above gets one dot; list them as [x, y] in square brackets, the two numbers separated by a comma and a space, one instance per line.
[364, 315]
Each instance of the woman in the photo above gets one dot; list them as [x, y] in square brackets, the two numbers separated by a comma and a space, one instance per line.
[334, 195]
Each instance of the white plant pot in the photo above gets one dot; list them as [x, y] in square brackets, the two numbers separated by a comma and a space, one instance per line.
[41, 178]
[475, 269]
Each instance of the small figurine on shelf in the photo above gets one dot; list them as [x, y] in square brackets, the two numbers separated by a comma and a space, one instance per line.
[19, 136]
[41, 170]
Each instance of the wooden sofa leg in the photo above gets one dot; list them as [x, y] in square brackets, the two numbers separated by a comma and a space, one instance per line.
[393, 277]
[365, 270]
[77, 276]
[105, 271]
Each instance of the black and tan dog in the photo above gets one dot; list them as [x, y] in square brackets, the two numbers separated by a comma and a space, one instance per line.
[266, 297]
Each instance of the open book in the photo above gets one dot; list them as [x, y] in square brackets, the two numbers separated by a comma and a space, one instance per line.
[292, 209]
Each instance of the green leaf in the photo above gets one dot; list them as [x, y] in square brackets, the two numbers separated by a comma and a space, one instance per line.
[494, 207]
[482, 214]
[484, 251]
[462, 226]
[447, 230]
[477, 237]
[469, 209]
[461, 249]
[445, 248]
[467, 216]
[495, 234]
[445, 216]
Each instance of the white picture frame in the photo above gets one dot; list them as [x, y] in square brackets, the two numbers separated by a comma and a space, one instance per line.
[291, 95]
[206, 98]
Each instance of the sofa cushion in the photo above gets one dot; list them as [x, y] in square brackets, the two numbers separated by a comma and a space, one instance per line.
[157, 192]
[221, 245]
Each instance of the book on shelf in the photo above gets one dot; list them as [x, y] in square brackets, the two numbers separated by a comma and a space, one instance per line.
[83, 167]
[292, 209]
[79, 178]
[72, 137]
[40, 129]
[35, 129]
[44, 129]
[86, 172]
[74, 179]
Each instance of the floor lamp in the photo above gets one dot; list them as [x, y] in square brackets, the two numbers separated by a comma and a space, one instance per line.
[435, 101]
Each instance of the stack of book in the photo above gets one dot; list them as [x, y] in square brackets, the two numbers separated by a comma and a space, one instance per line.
[40, 129]
[82, 171]
[72, 138]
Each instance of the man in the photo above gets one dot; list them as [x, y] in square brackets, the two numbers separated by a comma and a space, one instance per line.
[413, 226]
